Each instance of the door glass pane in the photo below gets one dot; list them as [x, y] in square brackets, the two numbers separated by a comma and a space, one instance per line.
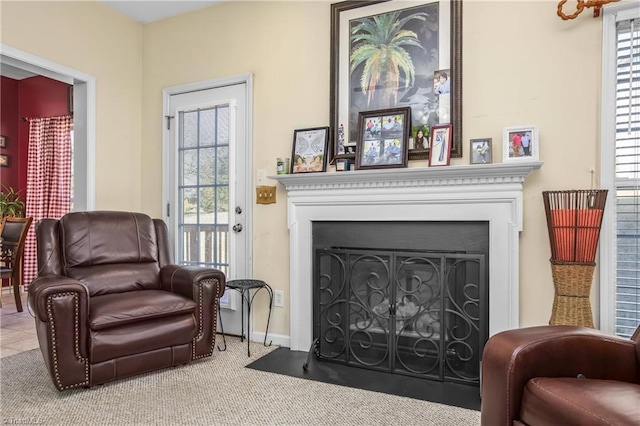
[222, 160]
[207, 166]
[223, 126]
[208, 127]
[204, 187]
[189, 135]
[189, 159]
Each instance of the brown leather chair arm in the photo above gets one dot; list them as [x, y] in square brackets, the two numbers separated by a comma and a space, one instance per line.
[43, 287]
[185, 279]
[512, 358]
[204, 286]
[61, 308]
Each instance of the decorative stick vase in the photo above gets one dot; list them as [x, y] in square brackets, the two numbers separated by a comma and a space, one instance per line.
[574, 219]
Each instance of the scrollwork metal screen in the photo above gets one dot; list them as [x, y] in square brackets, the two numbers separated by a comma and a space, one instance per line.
[415, 313]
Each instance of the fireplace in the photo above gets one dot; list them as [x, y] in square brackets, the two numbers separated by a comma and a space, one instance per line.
[490, 194]
[402, 297]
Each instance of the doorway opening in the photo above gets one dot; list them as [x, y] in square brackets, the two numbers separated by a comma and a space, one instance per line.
[84, 120]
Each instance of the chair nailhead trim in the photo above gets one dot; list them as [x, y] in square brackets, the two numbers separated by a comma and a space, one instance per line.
[201, 320]
[76, 330]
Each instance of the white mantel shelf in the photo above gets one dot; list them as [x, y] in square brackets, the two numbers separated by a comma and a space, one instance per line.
[501, 173]
[490, 193]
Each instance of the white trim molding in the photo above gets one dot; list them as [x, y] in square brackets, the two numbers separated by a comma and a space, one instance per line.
[491, 193]
[612, 13]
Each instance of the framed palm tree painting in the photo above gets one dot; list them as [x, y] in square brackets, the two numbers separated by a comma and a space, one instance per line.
[385, 54]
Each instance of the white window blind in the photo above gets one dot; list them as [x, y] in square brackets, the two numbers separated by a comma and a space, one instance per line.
[627, 177]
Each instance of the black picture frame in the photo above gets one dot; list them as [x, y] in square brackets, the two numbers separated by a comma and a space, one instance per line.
[341, 135]
[383, 138]
[310, 147]
[4, 160]
[3, 141]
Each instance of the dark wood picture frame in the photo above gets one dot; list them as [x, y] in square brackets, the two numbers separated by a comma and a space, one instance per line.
[480, 151]
[4, 160]
[455, 67]
[3, 141]
[440, 145]
[310, 150]
[383, 138]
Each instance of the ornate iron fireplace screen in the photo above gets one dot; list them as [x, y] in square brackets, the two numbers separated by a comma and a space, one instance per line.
[415, 313]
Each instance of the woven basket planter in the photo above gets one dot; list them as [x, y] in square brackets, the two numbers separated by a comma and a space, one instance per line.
[574, 219]
[572, 283]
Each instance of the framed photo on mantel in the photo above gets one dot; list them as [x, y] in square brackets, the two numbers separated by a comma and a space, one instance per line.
[383, 138]
[480, 150]
[520, 144]
[310, 150]
[440, 147]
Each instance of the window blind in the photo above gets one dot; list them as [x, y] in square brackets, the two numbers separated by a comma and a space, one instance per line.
[627, 177]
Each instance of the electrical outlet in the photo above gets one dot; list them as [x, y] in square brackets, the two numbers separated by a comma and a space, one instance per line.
[278, 299]
[265, 194]
[262, 177]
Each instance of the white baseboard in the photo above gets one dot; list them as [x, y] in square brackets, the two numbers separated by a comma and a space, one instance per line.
[276, 339]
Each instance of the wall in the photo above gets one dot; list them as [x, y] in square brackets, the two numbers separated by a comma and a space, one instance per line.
[30, 97]
[285, 46]
[524, 65]
[38, 97]
[521, 65]
[9, 129]
[94, 39]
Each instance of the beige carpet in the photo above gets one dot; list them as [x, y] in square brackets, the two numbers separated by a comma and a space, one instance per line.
[218, 390]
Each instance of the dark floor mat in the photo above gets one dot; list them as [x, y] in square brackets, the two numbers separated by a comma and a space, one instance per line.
[289, 363]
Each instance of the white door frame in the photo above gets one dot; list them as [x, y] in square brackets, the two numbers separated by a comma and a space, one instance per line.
[248, 160]
[84, 118]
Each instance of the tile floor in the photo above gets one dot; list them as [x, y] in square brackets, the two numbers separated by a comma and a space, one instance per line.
[17, 329]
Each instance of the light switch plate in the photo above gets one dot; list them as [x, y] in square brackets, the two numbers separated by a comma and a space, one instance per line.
[265, 194]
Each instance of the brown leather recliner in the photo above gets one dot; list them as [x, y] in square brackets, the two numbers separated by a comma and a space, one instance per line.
[109, 304]
[560, 375]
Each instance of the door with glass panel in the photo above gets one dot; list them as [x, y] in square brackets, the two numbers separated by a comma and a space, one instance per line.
[208, 210]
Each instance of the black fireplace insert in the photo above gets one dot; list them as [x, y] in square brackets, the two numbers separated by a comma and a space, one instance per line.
[411, 312]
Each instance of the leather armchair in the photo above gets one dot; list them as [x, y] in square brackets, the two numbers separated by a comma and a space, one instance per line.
[109, 304]
[560, 375]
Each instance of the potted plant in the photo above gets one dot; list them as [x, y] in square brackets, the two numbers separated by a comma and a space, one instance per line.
[10, 203]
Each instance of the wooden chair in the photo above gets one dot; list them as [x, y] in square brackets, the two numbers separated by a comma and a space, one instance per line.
[13, 231]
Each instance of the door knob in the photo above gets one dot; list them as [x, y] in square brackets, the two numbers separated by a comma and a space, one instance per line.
[237, 227]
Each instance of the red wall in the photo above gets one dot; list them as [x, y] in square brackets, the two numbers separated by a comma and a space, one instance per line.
[9, 129]
[32, 97]
[38, 97]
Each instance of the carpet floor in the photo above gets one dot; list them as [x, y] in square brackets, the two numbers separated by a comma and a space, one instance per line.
[217, 390]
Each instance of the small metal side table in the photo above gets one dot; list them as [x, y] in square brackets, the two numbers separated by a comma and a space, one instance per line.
[244, 287]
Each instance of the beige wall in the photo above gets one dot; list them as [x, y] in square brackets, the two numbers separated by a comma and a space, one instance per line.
[522, 65]
[91, 38]
[285, 46]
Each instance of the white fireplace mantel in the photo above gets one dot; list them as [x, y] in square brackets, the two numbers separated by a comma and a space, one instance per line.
[491, 193]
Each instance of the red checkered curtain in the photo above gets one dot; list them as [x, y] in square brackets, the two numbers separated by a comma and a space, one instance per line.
[48, 179]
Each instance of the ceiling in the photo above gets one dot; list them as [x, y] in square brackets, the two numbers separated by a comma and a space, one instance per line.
[145, 11]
